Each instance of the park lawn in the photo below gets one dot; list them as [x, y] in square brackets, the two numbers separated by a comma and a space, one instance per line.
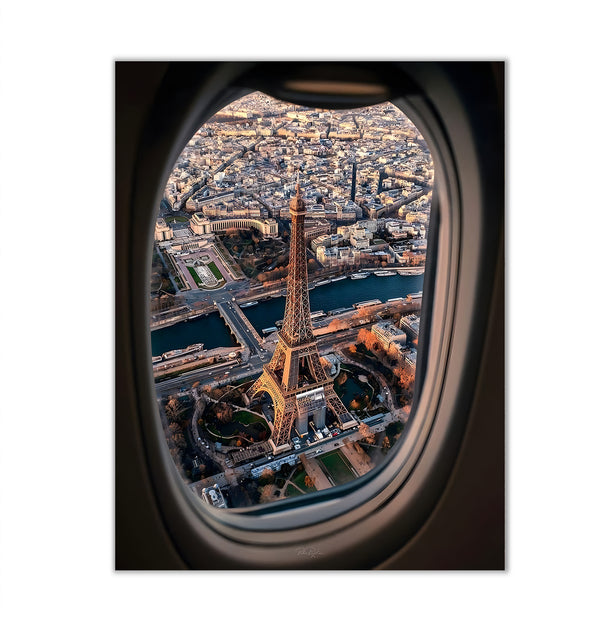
[195, 276]
[176, 219]
[291, 491]
[337, 467]
[248, 418]
[215, 271]
[299, 480]
[243, 421]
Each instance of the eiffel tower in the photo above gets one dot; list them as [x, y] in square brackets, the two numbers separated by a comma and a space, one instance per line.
[294, 377]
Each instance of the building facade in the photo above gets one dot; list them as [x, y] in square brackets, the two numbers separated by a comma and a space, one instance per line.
[388, 334]
[162, 231]
[202, 225]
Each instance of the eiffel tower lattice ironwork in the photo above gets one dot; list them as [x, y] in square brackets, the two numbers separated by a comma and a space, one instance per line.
[294, 377]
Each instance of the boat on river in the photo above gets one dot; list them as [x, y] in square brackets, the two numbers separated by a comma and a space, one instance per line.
[384, 273]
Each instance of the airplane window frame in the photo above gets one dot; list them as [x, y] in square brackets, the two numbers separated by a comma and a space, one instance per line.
[274, 535]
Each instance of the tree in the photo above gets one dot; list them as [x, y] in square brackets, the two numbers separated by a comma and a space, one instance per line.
[308, 481]
[405, 378]
[224, 412]
[386, 443]
[342, 378]
[337, 324]
[177, 439]
[173, 409]
[267, 493]
[280, 272]
[366, 432]
[393, 353]
[355, 404]
[368, 339]
[267, 476]
[217, 393]
[174, 428]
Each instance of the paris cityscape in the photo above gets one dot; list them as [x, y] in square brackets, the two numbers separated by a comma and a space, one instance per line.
[287, 276]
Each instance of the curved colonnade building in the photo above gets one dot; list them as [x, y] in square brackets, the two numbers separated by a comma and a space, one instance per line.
[201, 225]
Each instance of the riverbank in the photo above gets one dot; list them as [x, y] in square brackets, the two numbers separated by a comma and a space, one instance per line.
[206, 325]
[185, 314]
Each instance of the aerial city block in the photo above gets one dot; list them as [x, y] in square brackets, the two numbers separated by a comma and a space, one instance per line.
[287, 276]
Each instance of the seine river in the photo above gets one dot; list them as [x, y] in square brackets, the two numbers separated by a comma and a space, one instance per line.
[213, 332]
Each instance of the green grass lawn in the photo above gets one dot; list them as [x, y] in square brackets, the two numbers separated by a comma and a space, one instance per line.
[337, 467]
[253, 422]
[243, 421]
[176, 219]
[247, 418]
[195, 276]
[215, 271]
[298, 479]
[291, 491]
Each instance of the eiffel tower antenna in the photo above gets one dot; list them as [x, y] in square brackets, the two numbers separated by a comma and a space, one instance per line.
[294, 377]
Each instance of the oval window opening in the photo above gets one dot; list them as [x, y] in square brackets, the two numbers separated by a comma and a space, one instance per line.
[287, 275]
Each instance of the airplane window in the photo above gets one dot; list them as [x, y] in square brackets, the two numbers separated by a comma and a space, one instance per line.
[287, 276]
